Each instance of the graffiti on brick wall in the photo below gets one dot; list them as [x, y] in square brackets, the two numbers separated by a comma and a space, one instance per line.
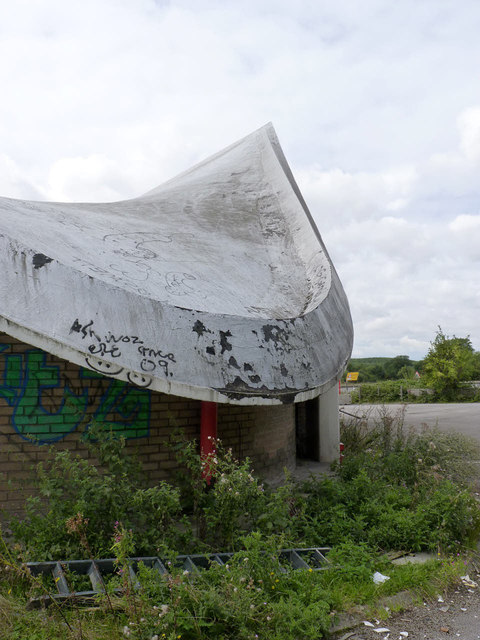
[46, 406]
[122, 408]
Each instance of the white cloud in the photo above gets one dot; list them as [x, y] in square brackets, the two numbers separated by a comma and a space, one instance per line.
[13, 182]
[466, 223]
[338, 196]
[469, 127]
[92, 178]
[375, 105]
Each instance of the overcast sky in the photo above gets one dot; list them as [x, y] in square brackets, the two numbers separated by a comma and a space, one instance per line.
[376, 104]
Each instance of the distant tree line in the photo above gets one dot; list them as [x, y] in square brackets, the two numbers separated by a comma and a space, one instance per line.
[449, 362]
[377, 369]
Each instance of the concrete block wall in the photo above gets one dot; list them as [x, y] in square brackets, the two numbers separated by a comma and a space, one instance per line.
[47, 401]
[274, 441]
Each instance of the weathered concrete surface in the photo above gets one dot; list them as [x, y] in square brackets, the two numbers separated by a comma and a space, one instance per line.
[329, 426]
[214, 286]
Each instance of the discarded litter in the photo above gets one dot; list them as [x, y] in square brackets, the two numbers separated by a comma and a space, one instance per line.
[368, 624]
[468, 582]
[378, 577]
[413, 558]
[382, 630]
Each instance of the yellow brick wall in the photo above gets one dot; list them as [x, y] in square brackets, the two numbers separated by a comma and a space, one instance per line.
[45, 401]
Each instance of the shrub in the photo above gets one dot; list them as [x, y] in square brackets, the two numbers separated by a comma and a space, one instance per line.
[223, 496]
[391, 391]
[399, 489]
[394, 489]
[114, 491]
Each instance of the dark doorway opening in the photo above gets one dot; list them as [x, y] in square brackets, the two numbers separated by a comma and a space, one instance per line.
[306, 429]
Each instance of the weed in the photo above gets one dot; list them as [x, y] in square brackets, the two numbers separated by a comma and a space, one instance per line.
[229, 504]
[396, 489]
[70, 485]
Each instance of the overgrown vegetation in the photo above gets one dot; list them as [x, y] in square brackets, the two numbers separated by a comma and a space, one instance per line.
[391, 391]
[395, 490]
[108, 488]
[444, 375]
[406, 489]
[251, 598]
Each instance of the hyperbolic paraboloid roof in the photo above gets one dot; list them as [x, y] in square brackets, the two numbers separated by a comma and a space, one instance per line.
[215, 285]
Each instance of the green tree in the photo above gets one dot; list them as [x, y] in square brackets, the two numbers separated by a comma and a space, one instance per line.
[476, 372]
[395, 365]
[377, 372]
[406, 373]
[449, 362]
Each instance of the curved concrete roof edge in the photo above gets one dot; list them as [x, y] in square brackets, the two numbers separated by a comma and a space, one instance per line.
[197, 299]
[75, 356]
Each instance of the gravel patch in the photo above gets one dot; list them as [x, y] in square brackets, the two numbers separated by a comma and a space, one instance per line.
[455, 615]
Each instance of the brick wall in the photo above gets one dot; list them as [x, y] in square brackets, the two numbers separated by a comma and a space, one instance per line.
[48, 401]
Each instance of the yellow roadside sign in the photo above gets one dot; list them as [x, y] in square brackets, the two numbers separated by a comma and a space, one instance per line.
[352, 376]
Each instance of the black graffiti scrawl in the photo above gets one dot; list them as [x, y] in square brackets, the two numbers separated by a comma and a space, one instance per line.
[150, 359]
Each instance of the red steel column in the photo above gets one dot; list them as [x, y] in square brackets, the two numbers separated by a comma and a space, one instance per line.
[208, 431]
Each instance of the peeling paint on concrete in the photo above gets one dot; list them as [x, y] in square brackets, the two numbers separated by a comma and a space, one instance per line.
[199, 328]
[224, 343]
[40, 260]
[233, 363]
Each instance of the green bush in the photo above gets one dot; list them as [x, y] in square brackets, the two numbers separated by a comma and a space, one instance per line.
[113, 490]
[390, 391]
[450, 360]
[220, 493]
[395, 489]
[400, 489]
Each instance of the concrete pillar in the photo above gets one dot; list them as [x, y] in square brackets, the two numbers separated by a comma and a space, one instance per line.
[329, 425]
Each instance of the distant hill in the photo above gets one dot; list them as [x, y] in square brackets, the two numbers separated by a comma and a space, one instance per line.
[367, 361]
[383, 368]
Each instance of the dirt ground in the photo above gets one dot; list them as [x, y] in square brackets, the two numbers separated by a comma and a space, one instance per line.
[453, 615]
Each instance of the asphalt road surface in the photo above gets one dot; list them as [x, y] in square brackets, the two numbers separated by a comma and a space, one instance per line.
[461, 417]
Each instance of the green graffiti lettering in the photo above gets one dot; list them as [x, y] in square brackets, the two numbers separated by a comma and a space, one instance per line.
[45, 409]
[33, 416]
[123, 409]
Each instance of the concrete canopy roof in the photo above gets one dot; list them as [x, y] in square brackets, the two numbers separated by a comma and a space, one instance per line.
[215, 285]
